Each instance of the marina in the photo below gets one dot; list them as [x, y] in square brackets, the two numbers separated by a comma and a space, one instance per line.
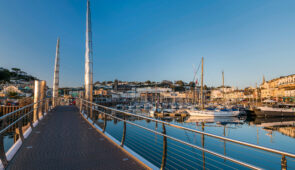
[132, 97]
[276, 133]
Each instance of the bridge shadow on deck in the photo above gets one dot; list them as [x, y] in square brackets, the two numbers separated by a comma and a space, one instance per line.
[64, 140]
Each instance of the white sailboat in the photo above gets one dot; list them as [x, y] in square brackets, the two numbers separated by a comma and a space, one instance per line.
[213, 113]
[210, 112]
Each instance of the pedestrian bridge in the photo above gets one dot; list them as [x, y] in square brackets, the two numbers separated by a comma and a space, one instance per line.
[92, 136]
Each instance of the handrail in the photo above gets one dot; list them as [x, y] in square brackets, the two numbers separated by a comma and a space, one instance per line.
[24, 112]
[22, 116]
[170, 137]
[203, 133]
[20, 109]
[189, 144]
[11, 124]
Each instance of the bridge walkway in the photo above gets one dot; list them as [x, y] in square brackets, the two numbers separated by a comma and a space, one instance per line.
[64, 140]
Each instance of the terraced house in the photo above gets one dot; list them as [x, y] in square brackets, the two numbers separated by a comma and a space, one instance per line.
[279, 89]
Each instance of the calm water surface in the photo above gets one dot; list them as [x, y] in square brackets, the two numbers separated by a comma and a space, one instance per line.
[277, 133]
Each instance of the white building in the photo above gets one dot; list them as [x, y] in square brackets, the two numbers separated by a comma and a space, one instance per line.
[153, 90]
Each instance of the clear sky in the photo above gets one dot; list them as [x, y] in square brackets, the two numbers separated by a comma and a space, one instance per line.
[151, 39]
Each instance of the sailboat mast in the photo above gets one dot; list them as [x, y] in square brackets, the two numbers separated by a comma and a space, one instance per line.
[202, 81]
[223, 86]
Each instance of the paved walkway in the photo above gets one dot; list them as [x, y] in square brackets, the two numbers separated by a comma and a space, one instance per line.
[64, 140]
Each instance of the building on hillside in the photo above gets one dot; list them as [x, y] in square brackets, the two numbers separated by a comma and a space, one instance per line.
[101, 92]
[234, 96]
[151, 93]
[219, 93]
[279, 89]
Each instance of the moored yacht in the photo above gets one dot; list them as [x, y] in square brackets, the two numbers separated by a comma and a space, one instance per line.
[210, 112]
[213, 112]
[275, 110]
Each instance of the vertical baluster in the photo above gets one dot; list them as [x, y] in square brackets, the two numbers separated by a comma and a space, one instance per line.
[47, 104]
[31, 116]
[20, 128]
[2, 151]
[87, 109]
[105, 122]
[91, 110]
[164, 147]
[38, 107]
[203, 145]
[80, 103]
[95, 116]
[124, 132]
[283, 163]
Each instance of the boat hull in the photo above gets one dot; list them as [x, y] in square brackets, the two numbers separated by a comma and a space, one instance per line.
[264, 113]
[205, 113]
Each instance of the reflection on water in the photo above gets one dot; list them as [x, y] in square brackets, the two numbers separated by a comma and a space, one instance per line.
[285, 126]
[9, 139]
[219, 120]
[11, 135]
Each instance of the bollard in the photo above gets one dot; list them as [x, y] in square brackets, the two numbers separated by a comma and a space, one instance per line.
[36, 100]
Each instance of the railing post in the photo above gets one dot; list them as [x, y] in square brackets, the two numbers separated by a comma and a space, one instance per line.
[124, 132]
[31, 116]
[80, 103]
[91, 110]
[105, 122]
[164, 147]
[2, 151]
[283, 163]
[36, 100]
[20, 126]
[20, 129]
[87, 108]
[47, 105]
[203, 145]
[82, 107]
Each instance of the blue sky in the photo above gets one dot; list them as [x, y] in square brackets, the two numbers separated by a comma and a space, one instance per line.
[151, 39]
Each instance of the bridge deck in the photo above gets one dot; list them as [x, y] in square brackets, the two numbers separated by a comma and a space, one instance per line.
[64, 140]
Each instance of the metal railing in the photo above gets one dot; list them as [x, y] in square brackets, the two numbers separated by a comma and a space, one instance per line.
[18, 119]
[92, 111]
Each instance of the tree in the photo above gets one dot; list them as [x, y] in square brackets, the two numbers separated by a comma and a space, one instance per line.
[192, 85]
[4, 75]
[180, 83]
[97, 82]
[12, 95]
[15, 72]
[166, 83]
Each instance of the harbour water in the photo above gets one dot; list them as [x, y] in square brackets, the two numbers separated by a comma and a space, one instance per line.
[276, 133]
